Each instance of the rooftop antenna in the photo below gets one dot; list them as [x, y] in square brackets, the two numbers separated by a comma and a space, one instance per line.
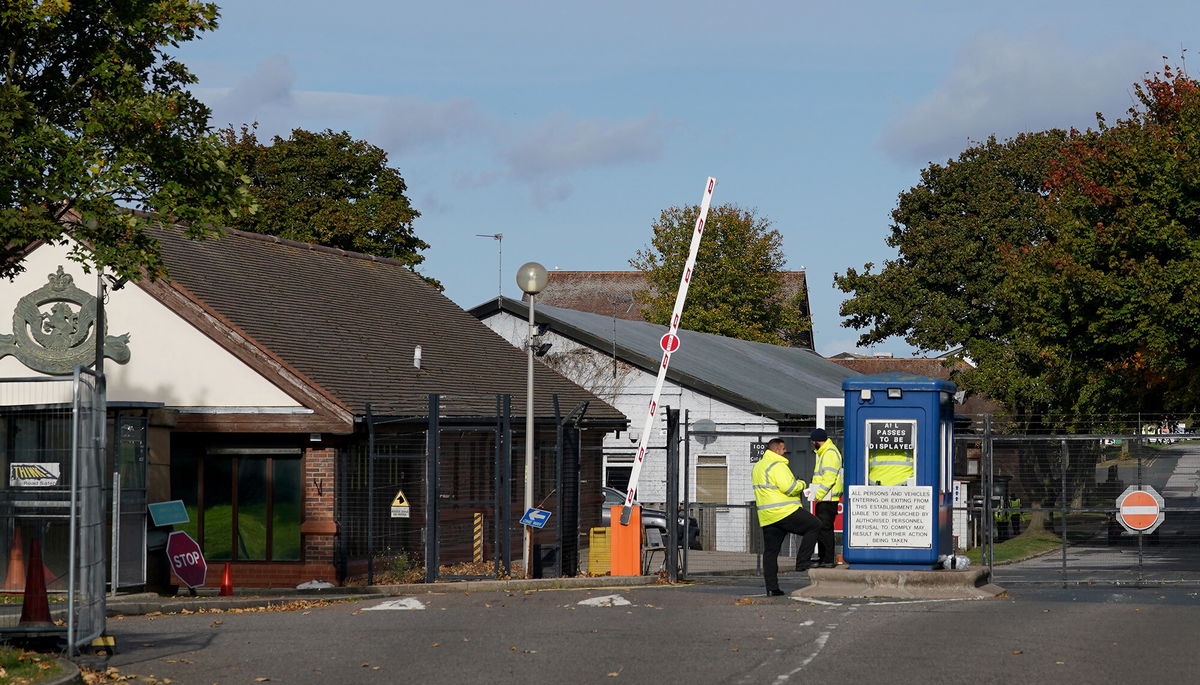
[499, 238]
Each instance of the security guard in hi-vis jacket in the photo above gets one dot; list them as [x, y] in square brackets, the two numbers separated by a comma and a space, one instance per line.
[826, 492]
[780, 511]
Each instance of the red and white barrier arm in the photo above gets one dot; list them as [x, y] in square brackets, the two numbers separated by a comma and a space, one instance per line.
[669, 344]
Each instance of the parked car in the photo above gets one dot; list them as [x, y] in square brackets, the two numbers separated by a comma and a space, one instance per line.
[651, 518]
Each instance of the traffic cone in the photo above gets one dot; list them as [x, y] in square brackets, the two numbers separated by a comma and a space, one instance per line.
[35, 608]
[226, 582]
[14, 581]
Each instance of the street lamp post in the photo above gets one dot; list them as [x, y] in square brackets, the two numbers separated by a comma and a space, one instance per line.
[531, 278]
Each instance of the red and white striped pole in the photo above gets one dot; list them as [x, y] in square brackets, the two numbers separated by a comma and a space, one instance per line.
[669, 344]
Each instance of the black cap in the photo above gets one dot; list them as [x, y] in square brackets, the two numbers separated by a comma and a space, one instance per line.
[818, 435]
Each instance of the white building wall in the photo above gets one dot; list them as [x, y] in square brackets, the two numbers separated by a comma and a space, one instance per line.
[629, 390]
[170, 360]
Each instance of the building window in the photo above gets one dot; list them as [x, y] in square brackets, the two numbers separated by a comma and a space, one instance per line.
[712, 480]
[244, 504]
[617, 470]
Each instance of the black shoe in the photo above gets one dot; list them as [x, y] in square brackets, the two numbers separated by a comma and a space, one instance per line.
[802, 569]
[775, 593]
[827, 564]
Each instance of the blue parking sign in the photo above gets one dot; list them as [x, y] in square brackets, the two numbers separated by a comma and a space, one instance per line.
[535, 517]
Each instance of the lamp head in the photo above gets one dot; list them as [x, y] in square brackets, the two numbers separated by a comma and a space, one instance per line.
[531, 278]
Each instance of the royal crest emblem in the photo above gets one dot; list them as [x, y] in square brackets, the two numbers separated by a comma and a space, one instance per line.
[54, 329]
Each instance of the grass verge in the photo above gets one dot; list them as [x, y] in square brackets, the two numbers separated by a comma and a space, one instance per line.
[19, 667]
[1020, 547]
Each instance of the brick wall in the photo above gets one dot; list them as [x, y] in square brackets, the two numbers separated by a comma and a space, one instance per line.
[317, 527]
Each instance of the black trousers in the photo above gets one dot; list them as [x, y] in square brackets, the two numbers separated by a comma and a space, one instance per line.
[826, 513]
[799, 522]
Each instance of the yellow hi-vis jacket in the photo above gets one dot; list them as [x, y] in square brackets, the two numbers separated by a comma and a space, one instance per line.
[776, 490]
[890, 467]
[827, 473]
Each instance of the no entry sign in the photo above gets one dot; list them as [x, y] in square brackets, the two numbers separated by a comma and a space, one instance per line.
[187, 561]
[1140, 510]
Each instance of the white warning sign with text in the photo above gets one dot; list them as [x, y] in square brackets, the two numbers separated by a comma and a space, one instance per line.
[891, 516]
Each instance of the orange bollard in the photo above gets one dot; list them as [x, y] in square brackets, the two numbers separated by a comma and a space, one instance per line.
[625, 542]
[226, 582]
[35, 607]
[15, 580]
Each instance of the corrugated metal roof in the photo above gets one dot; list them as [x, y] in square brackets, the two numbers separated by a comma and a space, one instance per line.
[756, 377]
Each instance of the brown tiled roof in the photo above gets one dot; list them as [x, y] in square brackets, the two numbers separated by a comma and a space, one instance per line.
[349, 323]
[931, 368]
[611, 293]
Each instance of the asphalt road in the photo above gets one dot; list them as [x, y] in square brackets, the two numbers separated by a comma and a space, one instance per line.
[704, 633]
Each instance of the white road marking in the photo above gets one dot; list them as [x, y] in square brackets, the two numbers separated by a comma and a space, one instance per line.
[606, 601]
[403, 604]
[922, 601]
[822, 602]
[820, 644]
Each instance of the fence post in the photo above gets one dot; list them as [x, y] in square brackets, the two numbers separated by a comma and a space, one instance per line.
[505, 522]
[672, 504]
[370, 496]
[432, 448]
[1066, 461]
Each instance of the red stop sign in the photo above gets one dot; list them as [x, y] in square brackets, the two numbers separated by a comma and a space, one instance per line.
[186, 559]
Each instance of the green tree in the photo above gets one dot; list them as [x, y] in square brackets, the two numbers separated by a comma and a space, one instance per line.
[1117, 292]
[327, 188]
[947, 286]
[96, 119]
[1063, 263]
[737, 290]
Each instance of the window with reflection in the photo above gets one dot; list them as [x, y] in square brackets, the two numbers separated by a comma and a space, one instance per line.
[244, 503]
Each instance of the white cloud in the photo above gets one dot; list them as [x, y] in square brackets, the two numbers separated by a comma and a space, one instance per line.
[270, 86]
[546, 193]
[411, 122]
[1003, 85]
[541, 156]
[559, 144]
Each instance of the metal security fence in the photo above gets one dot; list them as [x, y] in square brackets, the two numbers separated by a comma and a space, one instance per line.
[716, 492]
[1029, 484]
[1035, 497]
[52, 500]
[440, 496]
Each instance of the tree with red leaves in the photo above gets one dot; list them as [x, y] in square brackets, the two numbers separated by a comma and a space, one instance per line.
[1065, 264]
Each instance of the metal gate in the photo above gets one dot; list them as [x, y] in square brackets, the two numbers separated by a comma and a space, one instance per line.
[1060, 489]
[52, 440]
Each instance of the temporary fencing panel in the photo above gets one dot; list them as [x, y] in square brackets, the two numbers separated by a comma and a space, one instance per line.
[52, 498]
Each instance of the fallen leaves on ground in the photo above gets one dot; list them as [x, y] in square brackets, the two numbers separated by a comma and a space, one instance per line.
[112, 675]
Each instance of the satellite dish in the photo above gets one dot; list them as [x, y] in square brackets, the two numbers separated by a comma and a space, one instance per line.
[705, 431]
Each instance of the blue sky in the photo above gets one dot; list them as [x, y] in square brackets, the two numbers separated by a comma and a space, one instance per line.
[568, 126]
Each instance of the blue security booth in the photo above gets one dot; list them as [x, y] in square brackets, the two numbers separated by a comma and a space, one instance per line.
[898, 461]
